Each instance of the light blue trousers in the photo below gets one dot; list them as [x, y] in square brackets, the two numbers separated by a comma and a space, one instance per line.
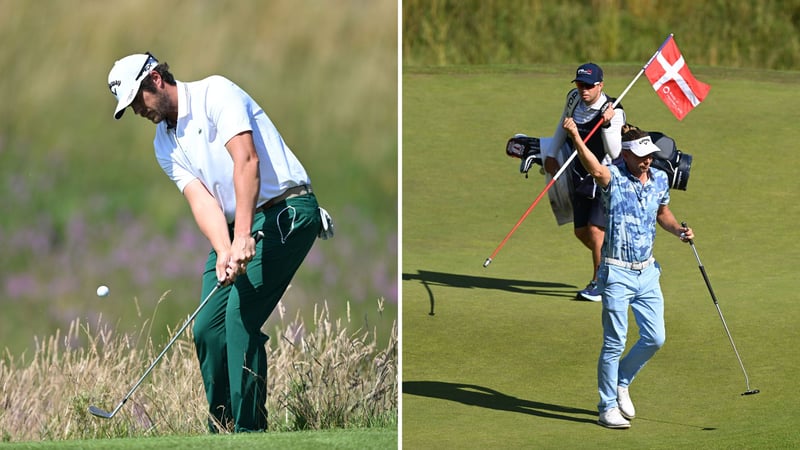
[640, 290]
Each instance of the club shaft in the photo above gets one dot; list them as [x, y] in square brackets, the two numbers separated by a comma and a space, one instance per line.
[733, 345]
[719, 311]
[167, 347]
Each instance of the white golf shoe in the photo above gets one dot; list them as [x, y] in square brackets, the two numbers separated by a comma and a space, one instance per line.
[612, 418]
[625, 404]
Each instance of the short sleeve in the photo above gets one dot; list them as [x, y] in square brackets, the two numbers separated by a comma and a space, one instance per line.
[228, 108]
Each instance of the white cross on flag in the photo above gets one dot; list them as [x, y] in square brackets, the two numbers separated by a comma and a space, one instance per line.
[674, 83]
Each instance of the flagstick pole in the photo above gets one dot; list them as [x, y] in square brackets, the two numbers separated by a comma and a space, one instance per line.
[572, 157]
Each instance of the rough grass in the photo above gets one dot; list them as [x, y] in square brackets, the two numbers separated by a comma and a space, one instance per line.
[321, 376]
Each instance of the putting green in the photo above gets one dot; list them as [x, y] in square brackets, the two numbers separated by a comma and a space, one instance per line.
[502, 357]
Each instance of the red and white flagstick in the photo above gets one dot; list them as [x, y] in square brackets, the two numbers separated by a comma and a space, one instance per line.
[571, 157]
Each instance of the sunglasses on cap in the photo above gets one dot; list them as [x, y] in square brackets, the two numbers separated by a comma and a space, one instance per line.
[144, 66]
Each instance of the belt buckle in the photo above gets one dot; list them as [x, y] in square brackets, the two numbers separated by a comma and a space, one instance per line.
[637, 265]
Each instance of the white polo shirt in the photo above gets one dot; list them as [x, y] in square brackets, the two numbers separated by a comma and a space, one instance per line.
[210, 113]
[612, 136]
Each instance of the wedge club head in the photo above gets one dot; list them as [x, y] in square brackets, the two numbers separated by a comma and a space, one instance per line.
[95, 411]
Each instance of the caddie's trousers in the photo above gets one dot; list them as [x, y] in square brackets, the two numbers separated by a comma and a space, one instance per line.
[227, 332]
[639, 289]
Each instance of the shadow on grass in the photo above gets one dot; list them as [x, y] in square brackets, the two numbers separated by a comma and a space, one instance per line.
[470, 394]
[545, 288]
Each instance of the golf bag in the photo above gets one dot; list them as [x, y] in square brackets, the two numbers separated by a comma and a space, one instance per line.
[528, 149]
[674, 162]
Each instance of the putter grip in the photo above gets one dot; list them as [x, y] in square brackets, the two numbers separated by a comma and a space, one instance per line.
[683, 224]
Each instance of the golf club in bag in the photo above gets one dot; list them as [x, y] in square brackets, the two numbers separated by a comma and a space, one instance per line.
[725, 325]
[94, 410]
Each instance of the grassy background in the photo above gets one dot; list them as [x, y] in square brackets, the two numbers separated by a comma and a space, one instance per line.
[729, 33]
[508, 359]
[85, 202]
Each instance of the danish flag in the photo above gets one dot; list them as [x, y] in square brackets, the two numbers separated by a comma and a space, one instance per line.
[673, 82]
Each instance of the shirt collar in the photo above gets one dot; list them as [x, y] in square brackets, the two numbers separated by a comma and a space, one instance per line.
[631, 177]
[183, 103]
[601, 100]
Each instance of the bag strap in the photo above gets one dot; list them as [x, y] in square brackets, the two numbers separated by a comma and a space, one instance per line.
[572, 102]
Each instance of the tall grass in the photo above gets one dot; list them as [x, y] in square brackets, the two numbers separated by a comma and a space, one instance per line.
[319, 376]
[730, 33]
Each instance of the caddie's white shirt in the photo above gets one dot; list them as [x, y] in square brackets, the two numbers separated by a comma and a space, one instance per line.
[210, 113]
[612, 136]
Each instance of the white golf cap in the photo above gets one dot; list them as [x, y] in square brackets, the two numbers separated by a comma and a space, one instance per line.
[641, 147]
[126, 76]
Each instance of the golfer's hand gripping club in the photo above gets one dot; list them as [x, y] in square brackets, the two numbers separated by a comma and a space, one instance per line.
[684, 236]
[95, 411]
[233, 269]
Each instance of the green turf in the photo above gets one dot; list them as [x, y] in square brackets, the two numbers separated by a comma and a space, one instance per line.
[508, 359]
[373, 438]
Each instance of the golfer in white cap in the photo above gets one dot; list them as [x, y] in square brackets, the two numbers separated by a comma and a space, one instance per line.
[239, 176]
[636, 197]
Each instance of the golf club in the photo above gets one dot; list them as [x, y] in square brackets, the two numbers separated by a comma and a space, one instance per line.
[725, 325]
[94, 410]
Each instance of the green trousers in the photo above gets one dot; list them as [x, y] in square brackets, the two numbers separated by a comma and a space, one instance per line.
[227, 331]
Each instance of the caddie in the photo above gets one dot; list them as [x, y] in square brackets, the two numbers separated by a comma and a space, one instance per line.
[587, 104]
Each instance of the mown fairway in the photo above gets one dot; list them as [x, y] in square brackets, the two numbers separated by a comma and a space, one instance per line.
[508, 359]
[343, 439]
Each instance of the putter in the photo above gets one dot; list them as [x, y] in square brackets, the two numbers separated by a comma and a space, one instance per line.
[95, 411]
[725, 325]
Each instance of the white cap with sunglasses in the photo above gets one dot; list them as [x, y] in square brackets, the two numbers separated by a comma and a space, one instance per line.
[126, 76]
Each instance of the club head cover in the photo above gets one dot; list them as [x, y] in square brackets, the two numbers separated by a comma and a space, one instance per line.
[327, 230]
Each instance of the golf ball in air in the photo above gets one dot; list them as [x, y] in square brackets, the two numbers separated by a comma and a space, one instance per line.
[102, 291]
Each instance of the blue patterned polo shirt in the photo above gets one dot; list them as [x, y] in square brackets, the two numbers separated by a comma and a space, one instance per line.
[632, 208]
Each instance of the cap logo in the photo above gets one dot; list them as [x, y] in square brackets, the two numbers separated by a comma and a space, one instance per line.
[641, 146]
[584, 71]
[112, 86]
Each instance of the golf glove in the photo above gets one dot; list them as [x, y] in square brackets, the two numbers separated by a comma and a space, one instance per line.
[326, 231]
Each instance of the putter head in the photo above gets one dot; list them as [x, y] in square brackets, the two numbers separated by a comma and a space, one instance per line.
[751, 392]
[100, 413]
